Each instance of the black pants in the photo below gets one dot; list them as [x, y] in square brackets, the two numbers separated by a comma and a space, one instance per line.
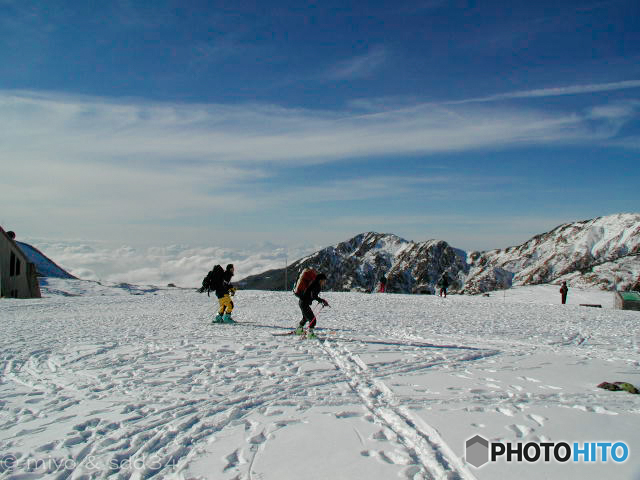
[307, 314]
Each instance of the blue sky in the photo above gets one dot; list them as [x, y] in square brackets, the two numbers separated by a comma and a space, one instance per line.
[238, 123]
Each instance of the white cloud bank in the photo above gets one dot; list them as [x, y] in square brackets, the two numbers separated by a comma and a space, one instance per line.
[181, 265]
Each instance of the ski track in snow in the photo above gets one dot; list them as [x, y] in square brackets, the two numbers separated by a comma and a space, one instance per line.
[134, 387]
[427, 449]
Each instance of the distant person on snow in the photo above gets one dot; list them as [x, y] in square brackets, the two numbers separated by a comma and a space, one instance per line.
[444, 284]
[306, 299]
[383, 284]
[224, 291]
[563, 292]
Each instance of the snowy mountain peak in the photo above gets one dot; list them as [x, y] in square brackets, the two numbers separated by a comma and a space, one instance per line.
[603, 252]
[358, 263]
[600, 252]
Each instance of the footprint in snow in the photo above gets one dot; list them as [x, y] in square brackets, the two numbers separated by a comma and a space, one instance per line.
[48, 447]
[520, 430]
[286, 423]
[391, 458]
[478, 391]
[233, 460]
[258, 439]
[505, 411]
[70, 442]
[539, 419]
[385, 436]
[30, 431]
[369, 418]
[600, 410]
[380, 435]
[250, 425]
[81, 427]
[347, 414]
[271, 413]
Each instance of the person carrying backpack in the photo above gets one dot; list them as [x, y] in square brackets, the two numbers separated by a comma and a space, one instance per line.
[307, 296]
[444, 284]
[224, 291]
[213, 278]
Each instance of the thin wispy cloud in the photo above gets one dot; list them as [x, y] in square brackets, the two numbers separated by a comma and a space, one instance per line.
[359, 66]
[389, 186]
[555, 92]
[36, 127]
[628, 143]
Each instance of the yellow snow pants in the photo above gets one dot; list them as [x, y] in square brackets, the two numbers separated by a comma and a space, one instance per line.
[226, 304]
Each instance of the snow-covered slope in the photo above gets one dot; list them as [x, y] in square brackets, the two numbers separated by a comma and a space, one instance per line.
[603, 252]
[44, 265]
[143, 386]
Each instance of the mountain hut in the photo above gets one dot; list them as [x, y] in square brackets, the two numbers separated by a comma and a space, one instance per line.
[18, 276]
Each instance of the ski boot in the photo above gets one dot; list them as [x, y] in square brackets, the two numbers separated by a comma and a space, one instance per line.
[299, 330]
[312, 333]
[227, 318]
[218, 319]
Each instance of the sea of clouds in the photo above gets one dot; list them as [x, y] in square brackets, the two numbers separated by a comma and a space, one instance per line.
[181, 265]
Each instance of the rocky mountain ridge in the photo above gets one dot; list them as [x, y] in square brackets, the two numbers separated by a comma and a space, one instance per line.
[358, 263]
[602, 252]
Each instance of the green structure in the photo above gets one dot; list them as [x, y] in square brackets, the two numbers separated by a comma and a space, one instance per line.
[628, 301]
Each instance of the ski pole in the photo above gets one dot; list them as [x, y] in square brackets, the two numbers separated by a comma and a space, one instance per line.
[312, 323]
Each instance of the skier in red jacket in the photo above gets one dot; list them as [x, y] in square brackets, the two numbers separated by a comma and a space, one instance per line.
[306, 299]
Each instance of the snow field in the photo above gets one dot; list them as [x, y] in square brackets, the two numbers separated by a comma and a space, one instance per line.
[134, 382]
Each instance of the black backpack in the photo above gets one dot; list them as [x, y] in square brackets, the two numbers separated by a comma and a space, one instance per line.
[213, 280]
